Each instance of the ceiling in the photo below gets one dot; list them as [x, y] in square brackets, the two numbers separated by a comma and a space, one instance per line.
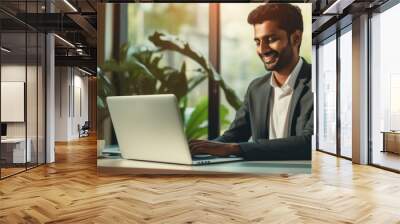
[74, 22]
[331, 15]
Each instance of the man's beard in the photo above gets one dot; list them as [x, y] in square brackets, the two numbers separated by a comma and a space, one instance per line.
[283, 59]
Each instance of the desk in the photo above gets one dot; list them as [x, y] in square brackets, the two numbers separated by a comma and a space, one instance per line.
[391, 141]
[13, 150]
[119, 165]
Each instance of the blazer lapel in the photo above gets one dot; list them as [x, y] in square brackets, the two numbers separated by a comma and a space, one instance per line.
[264, 102]
[298, 89]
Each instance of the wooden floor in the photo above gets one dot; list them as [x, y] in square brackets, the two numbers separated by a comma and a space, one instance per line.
[70, 191]
[5, 172]
[8, 171]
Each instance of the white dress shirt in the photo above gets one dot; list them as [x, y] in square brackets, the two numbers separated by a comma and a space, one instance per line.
[279, 105]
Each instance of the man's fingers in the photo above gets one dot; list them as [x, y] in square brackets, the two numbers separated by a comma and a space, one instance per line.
[197, 150]
[201, 148]
[203, 145]
[195, 140]
[198, 143]
[191, 142]
[198, 146]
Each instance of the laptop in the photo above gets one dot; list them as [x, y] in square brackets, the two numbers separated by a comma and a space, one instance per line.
[150, 128]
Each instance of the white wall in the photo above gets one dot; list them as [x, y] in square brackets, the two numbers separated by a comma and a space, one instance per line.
[13, 72]
[71, 94]
[62, 81]
[16, 73]
[81, 84]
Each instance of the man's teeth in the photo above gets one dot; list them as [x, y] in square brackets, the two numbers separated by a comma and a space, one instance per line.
[269, 59]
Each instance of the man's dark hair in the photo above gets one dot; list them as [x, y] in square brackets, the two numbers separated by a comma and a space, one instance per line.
[287, 16]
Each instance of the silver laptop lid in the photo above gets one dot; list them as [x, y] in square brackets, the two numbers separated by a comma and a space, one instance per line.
[149, 127]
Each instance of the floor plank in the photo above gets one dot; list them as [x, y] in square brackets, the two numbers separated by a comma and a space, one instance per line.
[70, 191]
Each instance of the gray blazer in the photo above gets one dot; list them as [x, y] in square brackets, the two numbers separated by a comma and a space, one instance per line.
[252, 121]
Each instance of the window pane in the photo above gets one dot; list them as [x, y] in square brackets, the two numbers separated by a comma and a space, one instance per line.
[327, 96]
[385, 88]
[346, 94]
[190, 24]
[240, 63]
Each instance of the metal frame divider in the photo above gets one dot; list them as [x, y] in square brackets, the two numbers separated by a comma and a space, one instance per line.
[369, 78]
[316, 97]
[26, 86]
[338, 73]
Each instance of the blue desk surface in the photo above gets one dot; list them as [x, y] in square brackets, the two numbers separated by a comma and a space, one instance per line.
[117, 165]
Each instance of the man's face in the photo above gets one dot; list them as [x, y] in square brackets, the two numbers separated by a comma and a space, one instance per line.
[273, 45]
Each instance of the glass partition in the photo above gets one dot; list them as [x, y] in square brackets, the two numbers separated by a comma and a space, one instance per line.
[22, 89]
[385, 89]
[327, 95]
[346, 93]
[15, 151]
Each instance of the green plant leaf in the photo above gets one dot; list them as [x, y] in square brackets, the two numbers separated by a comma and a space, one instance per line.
[111, 66]
[100, 103]
[182, 106]
[169, 43]
[199, 133]
[231, 96]
[197, 119]
[123, 52]
[197, 123]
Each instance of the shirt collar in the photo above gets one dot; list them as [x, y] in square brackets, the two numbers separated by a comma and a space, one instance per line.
[291, 80]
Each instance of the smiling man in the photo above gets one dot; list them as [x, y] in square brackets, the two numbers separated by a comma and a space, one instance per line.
[277, 112]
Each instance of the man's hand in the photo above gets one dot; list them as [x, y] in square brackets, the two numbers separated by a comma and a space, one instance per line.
[213, 148]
